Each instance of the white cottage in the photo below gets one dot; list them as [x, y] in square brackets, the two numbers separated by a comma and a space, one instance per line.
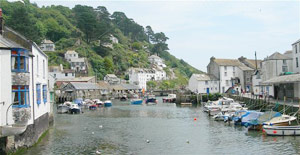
[140, 76]
[203, 84]
[47, 45]
[24, 95]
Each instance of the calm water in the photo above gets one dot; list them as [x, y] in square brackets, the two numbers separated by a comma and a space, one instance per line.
[127, 127]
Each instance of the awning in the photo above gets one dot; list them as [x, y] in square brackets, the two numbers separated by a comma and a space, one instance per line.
[293, 78]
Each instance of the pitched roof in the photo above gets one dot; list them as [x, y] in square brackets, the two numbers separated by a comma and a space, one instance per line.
[71, 52]
[45, 41]
[284, 79]
[77, 59]
[84, 85]
[130, 86]
[103, 85]
[252, 63]
[227, 62]
[296, 42]
[111, 75]
[117, 87]
[68, 71]
[8, 43]
[78, 79]
[278, 56]
[244, 67]
[204, 77]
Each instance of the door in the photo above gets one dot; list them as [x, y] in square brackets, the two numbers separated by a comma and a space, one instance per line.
[207, 90]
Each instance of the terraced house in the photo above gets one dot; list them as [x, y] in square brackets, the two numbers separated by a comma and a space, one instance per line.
[25, 110]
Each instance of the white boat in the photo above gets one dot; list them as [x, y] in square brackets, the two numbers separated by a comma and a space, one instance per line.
[107, 103]
[283, 120]
[64, 108]
[222, 115]
[97, 102]
[170, 99]
[215, 107]
[74, 109]
[281, 130]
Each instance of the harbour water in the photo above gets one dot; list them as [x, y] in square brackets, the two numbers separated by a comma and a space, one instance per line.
[125, 129]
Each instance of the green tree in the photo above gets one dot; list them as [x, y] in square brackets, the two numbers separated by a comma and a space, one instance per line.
[151, 84]
[108, 65]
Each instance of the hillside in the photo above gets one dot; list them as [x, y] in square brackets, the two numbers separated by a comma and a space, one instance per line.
[86, 29]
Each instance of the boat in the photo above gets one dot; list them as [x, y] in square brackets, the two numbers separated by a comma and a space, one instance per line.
[136, 101]
[107, 103]
[151, 100]
[170, 99]
[215, 107]
[64, 108]
[74, 109]
[256, 124]
[223, 116]
[283, 120]
[250, 115]
[123, 98]
[98, 102]
[237, 117]
[281, 130]
[61, 109]
[78, 101]
[93, 107]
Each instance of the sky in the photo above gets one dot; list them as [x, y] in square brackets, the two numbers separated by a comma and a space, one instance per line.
[198, 30]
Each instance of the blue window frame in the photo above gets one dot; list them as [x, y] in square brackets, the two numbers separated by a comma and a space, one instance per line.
[19, 60]
[20, 96]
[38, 94]
[45, 93]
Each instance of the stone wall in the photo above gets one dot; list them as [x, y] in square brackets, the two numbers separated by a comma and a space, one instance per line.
[26, 139]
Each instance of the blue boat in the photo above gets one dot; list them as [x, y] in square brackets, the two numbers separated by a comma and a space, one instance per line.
[249, 116]
[151, 99]
[107, 103]
[136, 101]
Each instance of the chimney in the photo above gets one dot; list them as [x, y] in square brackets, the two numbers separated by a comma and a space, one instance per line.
[1, 22]
[212, 58]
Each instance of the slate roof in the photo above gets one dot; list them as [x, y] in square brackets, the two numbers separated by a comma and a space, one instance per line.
[204, 77]
[71, 52]
[244, 67]
[296, 42]
[284, 79]
[278, 56]
[47, 42]
[78, 79]
[103, 85]
[227, 62]
[130, 86]
[111, 75]
[252, 64]
[84, 85]
[117, 87]
[77, 59]
[8, 43]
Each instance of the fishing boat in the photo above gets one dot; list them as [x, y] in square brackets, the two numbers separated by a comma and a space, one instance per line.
[283, 120]
[74, 109]
[281, 130]
[256, 124]
[223, 116]
[123, 98]
[107, 103]
[93, 107]
[63, 108]
[151, 100]
[170, 99]
[98, 102]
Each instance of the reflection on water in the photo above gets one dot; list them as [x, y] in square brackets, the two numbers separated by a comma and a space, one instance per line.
[124, 129]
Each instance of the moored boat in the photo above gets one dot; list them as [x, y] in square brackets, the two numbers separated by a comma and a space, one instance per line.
[74, 109]
[93, 107]
[250, 115]
[256, 124]
[151, 100]
[281, 130]
[170, 99]
[63, 108]
[136, 101]
[283, 120]
[107, 103]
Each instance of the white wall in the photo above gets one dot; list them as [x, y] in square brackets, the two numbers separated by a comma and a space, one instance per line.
[38, 70]
[201, 86]
[224, 79]
[5, 87]
[296, 55]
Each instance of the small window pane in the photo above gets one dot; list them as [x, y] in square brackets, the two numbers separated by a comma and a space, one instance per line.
[22, 63]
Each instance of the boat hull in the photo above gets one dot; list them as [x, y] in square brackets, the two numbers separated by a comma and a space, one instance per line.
[108, 104]
[74, 111]
[62, 109]
[282, 130]
[137, 102]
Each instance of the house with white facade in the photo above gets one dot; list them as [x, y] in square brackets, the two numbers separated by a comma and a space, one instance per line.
[156, 60]
[140, 76]
[70, 54]
[25, 110]
[203, 84]
[160, 74]
[47, 45]
[112, 79]
[273, 66]
[296, 56]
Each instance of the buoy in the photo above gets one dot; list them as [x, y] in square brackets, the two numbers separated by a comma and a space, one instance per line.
[148, 141]
[100, 126]
[263, 130]
[195, 119]
[98, 152]
[187, 141]
[274, 131]
[93, 133]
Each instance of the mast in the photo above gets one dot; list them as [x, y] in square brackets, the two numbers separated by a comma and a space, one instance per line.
[255, 61]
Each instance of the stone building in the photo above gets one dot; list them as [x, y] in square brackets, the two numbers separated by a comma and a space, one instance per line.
[74, 90]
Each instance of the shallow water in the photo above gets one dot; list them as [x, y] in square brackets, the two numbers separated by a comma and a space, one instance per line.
[170, 130]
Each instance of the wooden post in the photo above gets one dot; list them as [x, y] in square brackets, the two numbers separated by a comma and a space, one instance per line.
[197, 99]
[284, 99]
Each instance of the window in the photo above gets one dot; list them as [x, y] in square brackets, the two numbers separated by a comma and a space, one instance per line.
[45, 93]
[72, 74]
[66, 74]
[233, 67]
[44, 73]
[296, 48]
[233, 73]
[38, 94]
[20, 96]
[227, 82]
[54, 75]
[297, 64]
[211, 88]
[284, 62]
[225, 73]
[284, 69]
[19, 60]
[225, 67]
[206, 82]
[216, 88]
